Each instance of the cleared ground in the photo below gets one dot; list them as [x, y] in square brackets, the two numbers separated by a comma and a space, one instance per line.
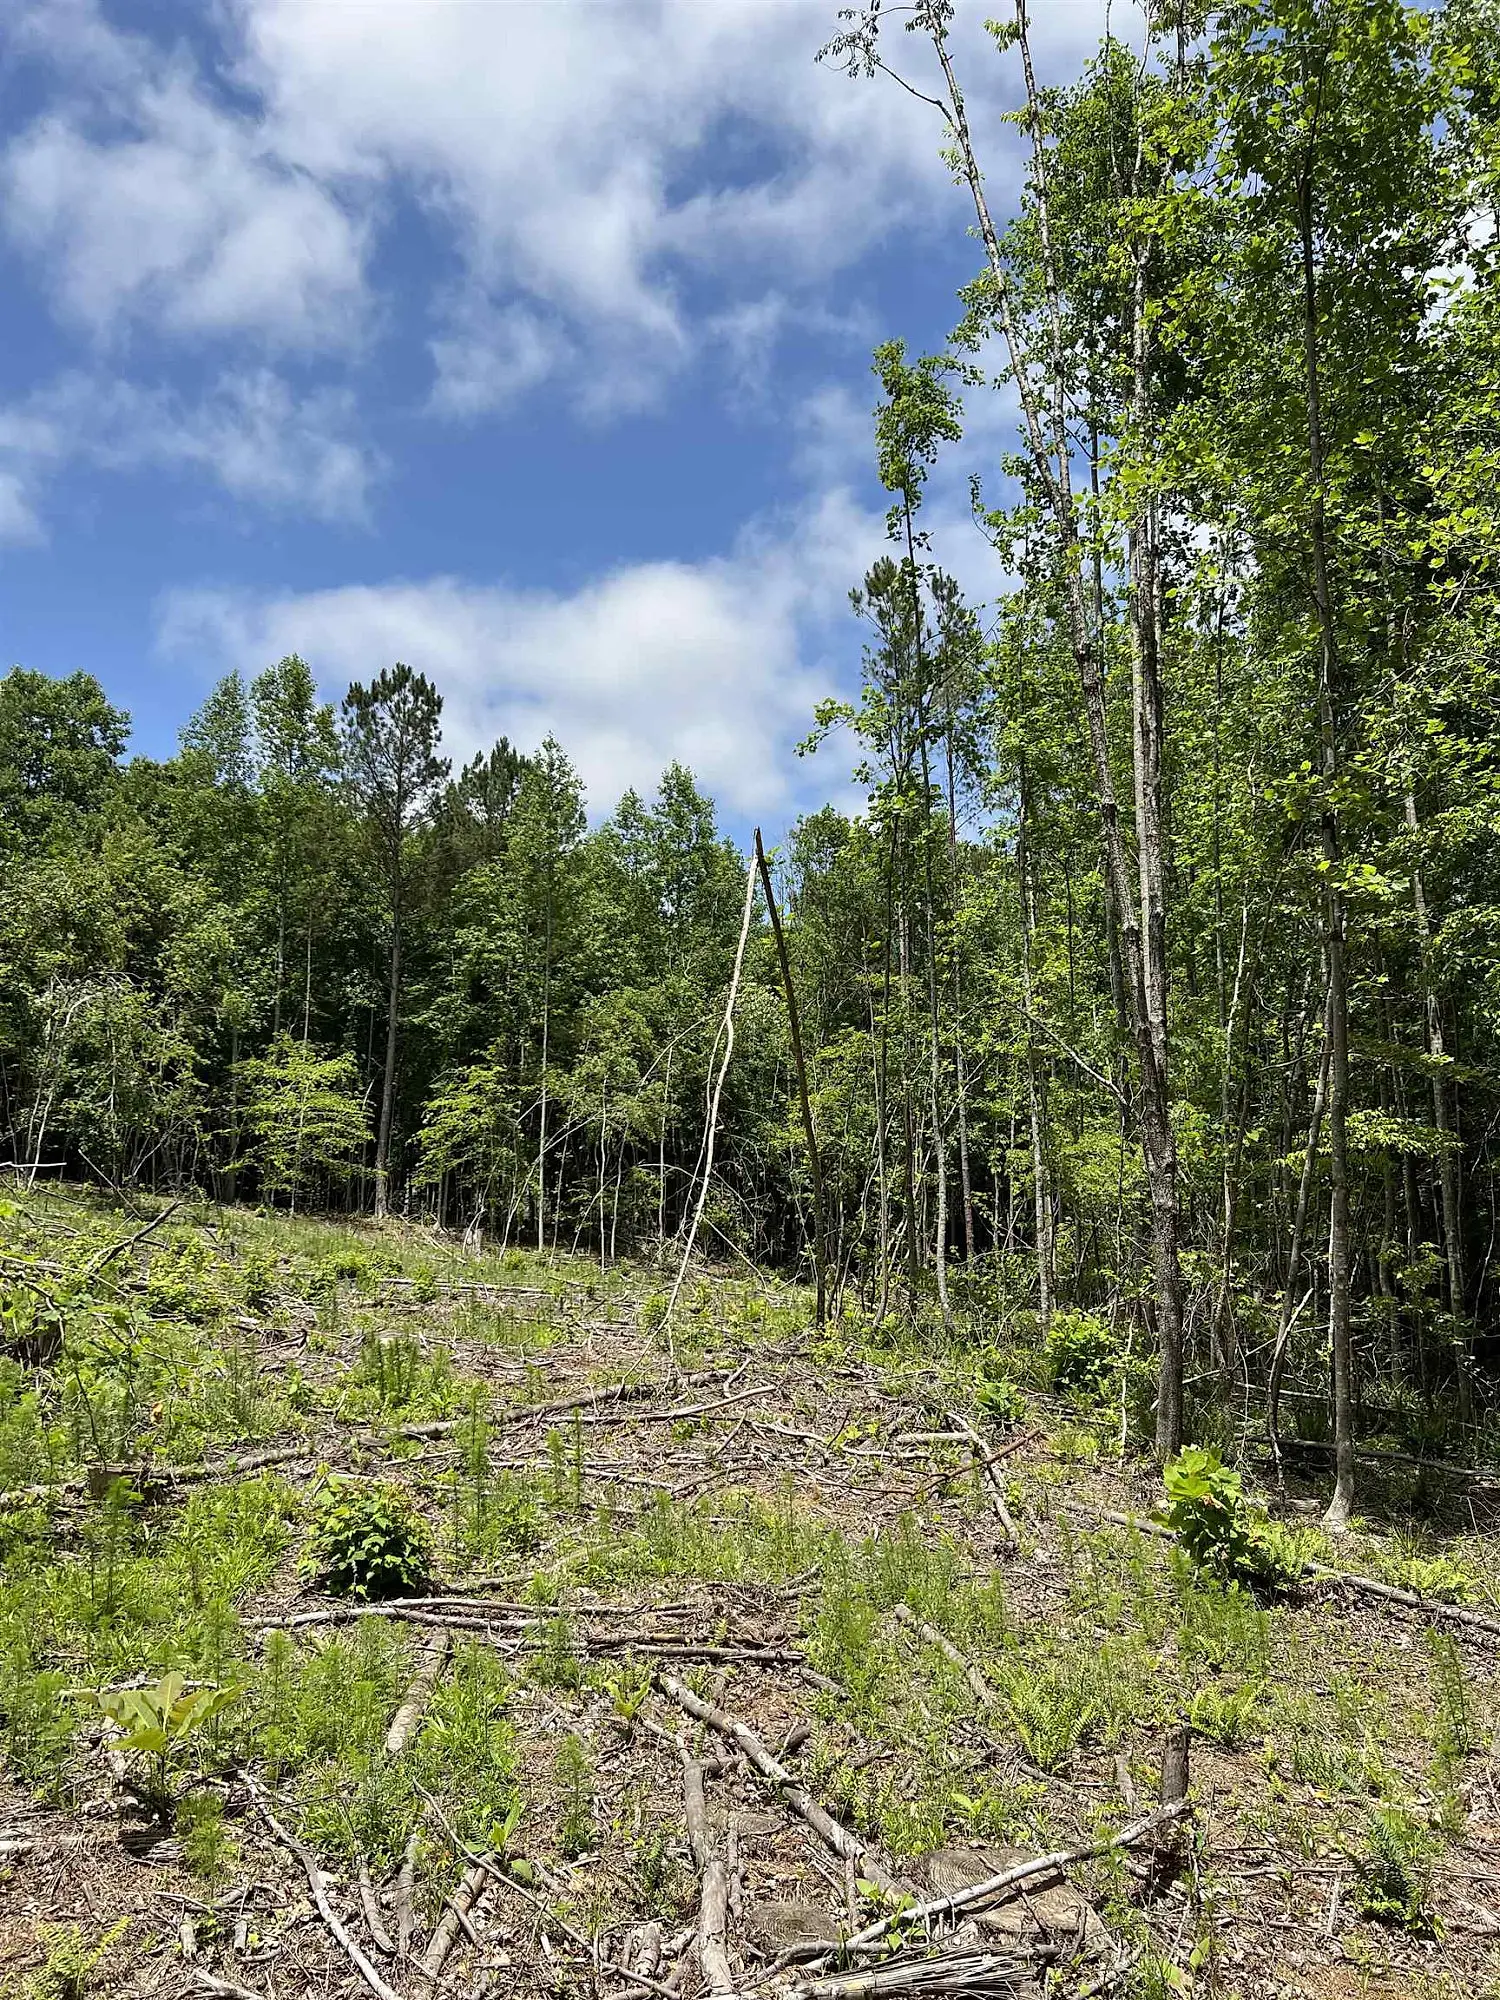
[886, 1556]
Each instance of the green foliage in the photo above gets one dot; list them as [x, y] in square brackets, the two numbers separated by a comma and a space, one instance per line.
[209, 1850]
[1394, 1870]
[1218, 1529]
[304, 1117]
[1053, 1705]
[368, 1541]
[158, 1721]
[577, 1831]
[1082, 1355]
[71, 1962]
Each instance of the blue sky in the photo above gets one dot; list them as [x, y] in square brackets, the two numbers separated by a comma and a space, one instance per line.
[524, 340]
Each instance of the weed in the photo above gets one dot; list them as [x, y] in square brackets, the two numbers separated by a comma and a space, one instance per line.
[158, 1721]
[558, 1662]
[1452, 1730]
[208, 1849]
[1394, 1870]
[1052, 1706]
[1001, 1399]
[575, 1777]
[70, 1963]
[1081, 1354]
[1221, 1628]
[368, 1541]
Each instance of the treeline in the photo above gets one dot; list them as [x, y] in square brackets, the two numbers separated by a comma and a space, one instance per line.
[1159, 982]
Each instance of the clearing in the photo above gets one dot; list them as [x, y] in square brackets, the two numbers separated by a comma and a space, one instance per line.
[720, 1651]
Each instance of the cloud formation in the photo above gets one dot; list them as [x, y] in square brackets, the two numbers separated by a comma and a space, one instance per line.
[248, 433]
[717, 663]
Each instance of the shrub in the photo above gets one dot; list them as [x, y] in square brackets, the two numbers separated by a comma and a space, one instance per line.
[1001, 1400]
[368, 1541]
[1218, 1529]
[1081, 1354]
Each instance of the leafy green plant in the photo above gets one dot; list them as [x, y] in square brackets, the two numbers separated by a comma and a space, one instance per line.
[368, 1541]
[208, 1849]
[1081, 1354]
[1394, 1870]
[1052, 1706]
[1218, 1529]
[158, 1721]
[1001, 1400]
[70, 1963]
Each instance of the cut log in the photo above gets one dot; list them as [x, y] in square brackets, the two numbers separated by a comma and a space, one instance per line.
[409, 1714]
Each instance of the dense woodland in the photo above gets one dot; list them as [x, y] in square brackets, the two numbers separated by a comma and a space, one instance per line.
[1155, 992]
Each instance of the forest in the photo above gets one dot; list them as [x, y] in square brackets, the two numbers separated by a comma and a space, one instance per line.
[1128, 1064]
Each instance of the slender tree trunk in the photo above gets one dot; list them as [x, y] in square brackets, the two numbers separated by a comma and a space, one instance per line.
[1339, 1334]
[1453, 1250]
[814, 1160]
[1035, 1100]
[1050, 448]
[960, 1078]
[388, 1081]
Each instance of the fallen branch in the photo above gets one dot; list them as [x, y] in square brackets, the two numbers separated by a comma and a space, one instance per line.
[713, 1892]
[326, 1910]
[1431, 1607]
[223, 1989]
[409, 1714]
[996, 1886]
[987, 1472]
[405, 1898]
[98, 1263]
[589, 1399]
[455, 1916]
[953, 1972]
[845, 1844]
[380, 1936]
[984, 1693]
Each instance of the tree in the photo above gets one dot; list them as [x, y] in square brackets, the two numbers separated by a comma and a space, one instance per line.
[59, 740]
[390, 736]
[305, 1118]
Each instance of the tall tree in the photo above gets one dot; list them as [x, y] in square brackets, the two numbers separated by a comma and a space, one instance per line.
[390, 738]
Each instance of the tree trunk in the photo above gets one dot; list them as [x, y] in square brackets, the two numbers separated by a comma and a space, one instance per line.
[388, 1082]
[1341, 1505]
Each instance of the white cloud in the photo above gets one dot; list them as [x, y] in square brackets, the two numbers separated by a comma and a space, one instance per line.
[143, 199]
[718, 663]
[618, 177]
[249, 433]
[18, 519]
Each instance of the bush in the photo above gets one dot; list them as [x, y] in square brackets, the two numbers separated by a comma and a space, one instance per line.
[1218, 1529]
[1081, 1355]
[368, 1541]
[1001, 1400]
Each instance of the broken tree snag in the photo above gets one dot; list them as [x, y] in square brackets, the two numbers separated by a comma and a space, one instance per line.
[846, 1845]
[456, 1916]
[984, 1694]
[987, 1473]
[1175, 1777]
[713, 1880]
[409, 1714]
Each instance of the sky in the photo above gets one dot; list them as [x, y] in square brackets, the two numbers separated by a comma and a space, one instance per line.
[526, 341]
